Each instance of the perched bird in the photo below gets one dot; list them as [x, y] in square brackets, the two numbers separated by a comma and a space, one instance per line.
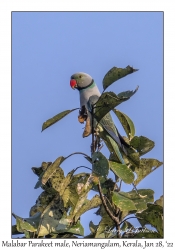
[107, 130]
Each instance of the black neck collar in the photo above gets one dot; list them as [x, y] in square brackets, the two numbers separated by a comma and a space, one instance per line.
[89, 85]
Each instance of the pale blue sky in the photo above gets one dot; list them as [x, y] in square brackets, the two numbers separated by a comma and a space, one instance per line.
[47, 48]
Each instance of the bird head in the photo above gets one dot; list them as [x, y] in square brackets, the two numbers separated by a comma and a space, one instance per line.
[80, 81]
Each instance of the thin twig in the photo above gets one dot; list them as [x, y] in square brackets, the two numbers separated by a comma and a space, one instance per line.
[120, 185]
[132, 217]
[83, 167]
[76, 154]
[135, 189]
[108, 201]
[115, 219]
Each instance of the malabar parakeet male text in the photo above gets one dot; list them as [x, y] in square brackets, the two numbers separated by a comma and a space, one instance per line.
[88, 90]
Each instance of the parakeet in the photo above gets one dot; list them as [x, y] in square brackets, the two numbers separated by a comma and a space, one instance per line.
[88, 90]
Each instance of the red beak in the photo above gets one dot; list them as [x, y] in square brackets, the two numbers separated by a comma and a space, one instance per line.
[73, 83]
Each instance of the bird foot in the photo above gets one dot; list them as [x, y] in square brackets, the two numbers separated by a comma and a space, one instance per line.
[100, 146]
[82, 114]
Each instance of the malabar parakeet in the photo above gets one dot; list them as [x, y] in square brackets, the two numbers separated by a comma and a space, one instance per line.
[88, 90]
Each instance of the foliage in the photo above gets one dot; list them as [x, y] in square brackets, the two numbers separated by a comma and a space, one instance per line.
[58, 209]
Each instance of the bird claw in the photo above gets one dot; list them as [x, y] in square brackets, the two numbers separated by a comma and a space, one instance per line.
[82, 114]
[100, 146]
[96, 131]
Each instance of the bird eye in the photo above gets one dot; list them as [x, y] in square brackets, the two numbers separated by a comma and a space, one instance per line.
[80, 76]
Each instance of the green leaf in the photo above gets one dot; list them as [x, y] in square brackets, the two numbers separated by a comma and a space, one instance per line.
[28, 224]
[146, 167]
[126, 225]
[122, 171]
[126, 122]
[142, 144]
[83, 196]
[92, 227]
[100, 164]
[159, 201]
[122, 202]
[108, 185]
[75, 181]
[37, 171]
[56, 118]
[15, 231]
[77, 229]
[40, 170]
[65, 226]
[65, 182]
[66, 196]
[41, 203]
[108, 101]
[51, 216]
[52, 169]
[104, 225]
[115, 74]
[27, 234]
[56, 180]
[93, 203]
[140, 203]
[152, 215]
[134, 159]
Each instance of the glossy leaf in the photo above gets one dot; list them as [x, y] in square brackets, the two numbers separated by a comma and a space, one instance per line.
[146, 167]
[115, 74]
[126, 122]
[108, 101]
[100, 164]
[122, 171]
[142, 144]
[56, 118]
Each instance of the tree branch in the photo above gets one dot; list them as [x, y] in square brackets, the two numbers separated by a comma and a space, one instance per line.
[115, 219]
